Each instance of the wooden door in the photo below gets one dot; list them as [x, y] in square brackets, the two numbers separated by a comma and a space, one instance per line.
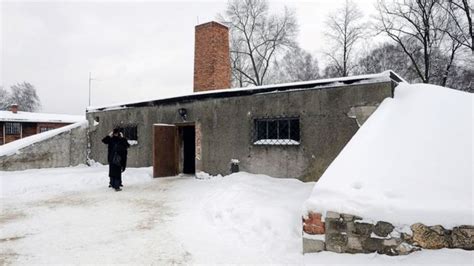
[165, 150]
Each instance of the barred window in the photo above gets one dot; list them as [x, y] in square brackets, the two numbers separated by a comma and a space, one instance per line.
[12, 128]
[130, 132]
[277, 131]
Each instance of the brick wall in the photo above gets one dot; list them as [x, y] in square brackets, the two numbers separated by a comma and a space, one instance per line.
[50, 126]
[10, 138]
[211, 57]
[28, 129]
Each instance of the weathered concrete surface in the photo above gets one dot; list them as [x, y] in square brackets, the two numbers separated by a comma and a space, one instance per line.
[226, 125]
[65, 149]
[312, 245]
[361, 113]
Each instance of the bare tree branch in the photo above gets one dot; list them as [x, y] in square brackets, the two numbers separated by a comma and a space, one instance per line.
[344, 30]
[257, 38]
[416, 26]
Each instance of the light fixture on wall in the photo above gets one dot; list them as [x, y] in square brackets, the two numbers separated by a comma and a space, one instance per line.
[183, 113]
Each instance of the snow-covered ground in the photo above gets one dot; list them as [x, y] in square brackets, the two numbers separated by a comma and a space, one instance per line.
[69, 215]
[412, 161]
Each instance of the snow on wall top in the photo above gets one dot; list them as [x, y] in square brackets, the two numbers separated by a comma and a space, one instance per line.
[39, 117]
[410, 162]
[15, 146]
[331, 82]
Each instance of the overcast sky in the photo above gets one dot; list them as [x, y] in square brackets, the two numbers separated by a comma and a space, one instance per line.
[135, 50]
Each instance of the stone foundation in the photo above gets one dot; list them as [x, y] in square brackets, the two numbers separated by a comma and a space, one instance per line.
[345, 233]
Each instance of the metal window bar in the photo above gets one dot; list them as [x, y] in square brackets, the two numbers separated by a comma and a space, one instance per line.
[129, 131]
[277, 131]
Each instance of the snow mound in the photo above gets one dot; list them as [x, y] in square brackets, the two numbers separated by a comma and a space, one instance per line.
[14, 146]
[238, 214]
[410, 162]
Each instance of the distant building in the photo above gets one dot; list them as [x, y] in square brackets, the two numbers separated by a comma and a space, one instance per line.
[15, 124]
[286, 130]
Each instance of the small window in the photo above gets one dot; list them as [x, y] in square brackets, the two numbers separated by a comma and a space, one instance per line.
[44, 129]
[130, 132]
[277, 131]
[12, 128]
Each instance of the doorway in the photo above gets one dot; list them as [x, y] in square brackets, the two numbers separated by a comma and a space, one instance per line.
[174, 149]
[187, 135]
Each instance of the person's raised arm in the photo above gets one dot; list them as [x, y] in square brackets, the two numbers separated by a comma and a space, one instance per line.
[107, 138]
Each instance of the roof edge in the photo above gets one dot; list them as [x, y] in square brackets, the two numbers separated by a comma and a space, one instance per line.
[388, 75]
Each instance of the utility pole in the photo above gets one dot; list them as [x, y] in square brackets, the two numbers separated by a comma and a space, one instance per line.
[90, 80]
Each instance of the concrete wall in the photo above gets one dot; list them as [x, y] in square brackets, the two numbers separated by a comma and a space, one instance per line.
[227, 123]
[65, 149]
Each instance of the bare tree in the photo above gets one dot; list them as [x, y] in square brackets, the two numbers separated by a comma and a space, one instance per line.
[4, 98]
[449, 55]
[298, 65]
[460, 11]
[257, 38]
[24, 94]
[240, 65]
[461, 78]
[344, 30]
[417, 26]
[386, 56]
[331, 71]
[446, 71]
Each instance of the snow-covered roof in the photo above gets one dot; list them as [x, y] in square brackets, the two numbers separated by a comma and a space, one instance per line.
[385, 76]
[410, 162]
[9, 116]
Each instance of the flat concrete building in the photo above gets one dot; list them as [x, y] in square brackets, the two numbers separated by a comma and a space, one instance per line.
[292, 130]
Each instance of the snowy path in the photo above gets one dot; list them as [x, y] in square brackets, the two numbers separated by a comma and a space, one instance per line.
[97, 226]
[68, 215]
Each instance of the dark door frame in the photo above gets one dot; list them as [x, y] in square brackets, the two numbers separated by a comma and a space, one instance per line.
[181, 139]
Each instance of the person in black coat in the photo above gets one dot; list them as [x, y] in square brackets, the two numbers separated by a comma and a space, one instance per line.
[116, 156]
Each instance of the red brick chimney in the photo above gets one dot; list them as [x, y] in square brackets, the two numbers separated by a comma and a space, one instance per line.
[14, 108]
[211, 57]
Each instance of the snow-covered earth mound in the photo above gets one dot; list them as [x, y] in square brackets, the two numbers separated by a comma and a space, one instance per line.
[410, 162]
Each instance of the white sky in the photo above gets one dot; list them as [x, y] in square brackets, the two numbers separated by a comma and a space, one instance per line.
[135, 50]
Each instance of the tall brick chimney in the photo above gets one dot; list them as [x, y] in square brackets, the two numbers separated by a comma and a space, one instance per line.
[14, 108]
[211, 57]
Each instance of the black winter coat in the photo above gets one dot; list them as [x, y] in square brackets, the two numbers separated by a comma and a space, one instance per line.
[117, 145]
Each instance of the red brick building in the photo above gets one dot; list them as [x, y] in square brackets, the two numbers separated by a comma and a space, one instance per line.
[15, 124]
